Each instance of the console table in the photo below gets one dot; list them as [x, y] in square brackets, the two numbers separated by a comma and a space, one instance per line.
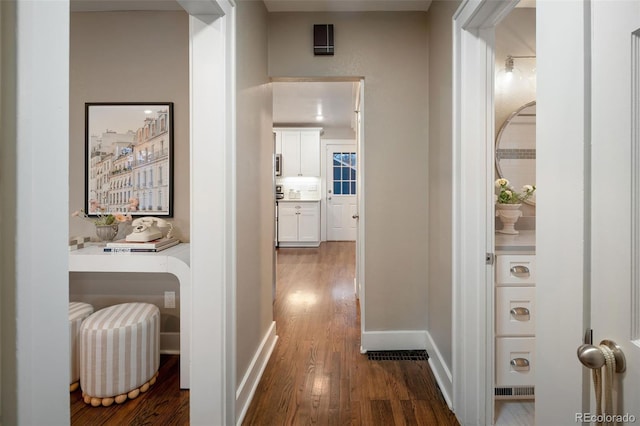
[174, 260]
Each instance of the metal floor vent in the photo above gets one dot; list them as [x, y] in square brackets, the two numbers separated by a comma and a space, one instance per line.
[413, 355]
[514, 392]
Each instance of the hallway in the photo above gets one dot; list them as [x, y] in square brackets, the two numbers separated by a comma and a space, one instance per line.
[316, 374]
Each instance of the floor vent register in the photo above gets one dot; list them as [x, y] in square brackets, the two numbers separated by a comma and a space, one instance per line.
[413, 355]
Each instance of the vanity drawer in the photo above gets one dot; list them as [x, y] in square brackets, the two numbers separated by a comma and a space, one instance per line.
[515, 361]
[515, 311]
[515, 269]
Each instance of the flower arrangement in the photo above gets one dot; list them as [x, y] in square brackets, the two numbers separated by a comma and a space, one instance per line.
[104, 218]
[507, 195]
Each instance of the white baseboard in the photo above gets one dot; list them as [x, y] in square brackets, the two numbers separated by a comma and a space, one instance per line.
[440, 370]
[397, 340]
[247, 387]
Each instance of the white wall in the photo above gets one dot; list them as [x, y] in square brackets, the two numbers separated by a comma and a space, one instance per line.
[34, 213]
[391, 51]
[516, 36]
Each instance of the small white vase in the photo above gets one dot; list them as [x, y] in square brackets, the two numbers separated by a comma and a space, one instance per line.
[508, 215]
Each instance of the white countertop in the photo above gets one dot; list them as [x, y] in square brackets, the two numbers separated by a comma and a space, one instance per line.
[522, 243]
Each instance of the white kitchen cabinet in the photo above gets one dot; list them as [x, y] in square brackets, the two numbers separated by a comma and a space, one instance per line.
[300, 150]
[515, 326]
[299, 223]
[278, 142]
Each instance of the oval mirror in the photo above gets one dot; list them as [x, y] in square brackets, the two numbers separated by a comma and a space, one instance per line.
[516, 149]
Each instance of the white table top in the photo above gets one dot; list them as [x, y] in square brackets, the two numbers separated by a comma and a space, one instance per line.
[93, 258]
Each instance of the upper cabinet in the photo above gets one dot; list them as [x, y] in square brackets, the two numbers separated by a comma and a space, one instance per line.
[300, 149]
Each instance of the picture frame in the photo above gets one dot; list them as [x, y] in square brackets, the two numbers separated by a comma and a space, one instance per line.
[129, 158]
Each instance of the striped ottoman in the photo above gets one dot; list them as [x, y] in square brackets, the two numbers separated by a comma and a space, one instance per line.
[119, 353]
[78, 311]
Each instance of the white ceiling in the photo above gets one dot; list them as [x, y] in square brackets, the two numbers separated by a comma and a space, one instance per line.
[272, 5]
[301, 102]
[346, 5]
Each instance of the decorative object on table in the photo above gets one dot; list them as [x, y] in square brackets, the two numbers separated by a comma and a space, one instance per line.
[129, 156]
[76, 243]
[124, 246]
[508, 203]
[148, 229]
[107, 232]
[106, 224]
[122, 371]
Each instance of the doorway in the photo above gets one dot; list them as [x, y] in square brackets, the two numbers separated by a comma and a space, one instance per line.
[515, 160]
[335, 107]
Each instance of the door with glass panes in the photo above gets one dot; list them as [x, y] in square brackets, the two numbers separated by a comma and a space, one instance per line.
[342, 203]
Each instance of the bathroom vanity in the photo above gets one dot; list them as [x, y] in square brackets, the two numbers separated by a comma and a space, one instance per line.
[515, 315]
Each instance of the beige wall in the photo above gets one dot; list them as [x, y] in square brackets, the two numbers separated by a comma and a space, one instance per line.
[391, 51]
[129, 57]
[255, 202]
[440, 184]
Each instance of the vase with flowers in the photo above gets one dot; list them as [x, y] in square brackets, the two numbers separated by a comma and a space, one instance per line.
[508, 203]
[106, 223]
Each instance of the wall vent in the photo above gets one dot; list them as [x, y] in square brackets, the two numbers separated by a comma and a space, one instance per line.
[515, 392]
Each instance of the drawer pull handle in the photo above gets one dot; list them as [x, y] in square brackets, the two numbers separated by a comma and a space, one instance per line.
[520, 271]
[520, 312]
[520, 363]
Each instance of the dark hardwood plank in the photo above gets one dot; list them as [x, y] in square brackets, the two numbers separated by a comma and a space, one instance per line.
[163, 404]
[317, 374]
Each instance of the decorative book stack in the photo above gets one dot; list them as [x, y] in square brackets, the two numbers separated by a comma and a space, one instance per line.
[123, 246]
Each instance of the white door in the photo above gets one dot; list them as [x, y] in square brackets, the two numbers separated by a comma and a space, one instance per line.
[342, 203]
[615, 212]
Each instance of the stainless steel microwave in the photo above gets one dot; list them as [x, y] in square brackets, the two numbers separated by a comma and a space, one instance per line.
[278, 165]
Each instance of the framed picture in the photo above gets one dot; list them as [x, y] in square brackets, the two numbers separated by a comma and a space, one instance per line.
[129, 158]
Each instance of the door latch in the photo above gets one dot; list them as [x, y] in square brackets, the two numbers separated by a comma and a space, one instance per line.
[490, 258]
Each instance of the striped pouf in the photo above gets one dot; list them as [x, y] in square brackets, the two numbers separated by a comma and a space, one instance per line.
[78, 311]
[119, 353]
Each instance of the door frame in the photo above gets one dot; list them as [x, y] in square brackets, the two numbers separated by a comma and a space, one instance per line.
[562, 269]
[359, 110]
[472, 207]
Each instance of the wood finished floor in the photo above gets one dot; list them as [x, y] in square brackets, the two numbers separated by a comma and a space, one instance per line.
[317, 374]
[163, 404]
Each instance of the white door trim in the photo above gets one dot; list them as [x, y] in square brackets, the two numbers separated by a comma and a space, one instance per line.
[213, 226]
[563, 270]
[473, 112]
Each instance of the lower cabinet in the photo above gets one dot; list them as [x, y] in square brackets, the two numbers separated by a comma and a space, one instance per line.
[515, 326]
[299, 223]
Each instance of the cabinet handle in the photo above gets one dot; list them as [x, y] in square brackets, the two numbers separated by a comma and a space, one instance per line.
[520, 363]
[520, 271]
[520, 311]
